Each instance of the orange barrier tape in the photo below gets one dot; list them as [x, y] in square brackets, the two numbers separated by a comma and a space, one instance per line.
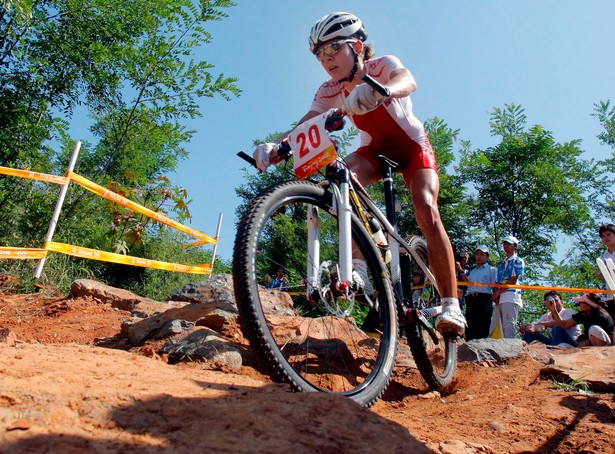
[22, 253]
[523, 287]
[535, 287]
[196, 243]
[34, 175]
[94, 254]
[116, 198]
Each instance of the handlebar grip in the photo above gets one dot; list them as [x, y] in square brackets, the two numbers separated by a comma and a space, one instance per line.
[248, 158]
[369, 80]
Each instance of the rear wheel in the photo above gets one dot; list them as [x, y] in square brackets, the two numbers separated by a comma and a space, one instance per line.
[435, 355]
[317, 335]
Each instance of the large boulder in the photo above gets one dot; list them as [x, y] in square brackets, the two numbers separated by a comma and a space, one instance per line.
[203, 344]
[491, 350]
[218, 287]
[592, 365]
[119, 298]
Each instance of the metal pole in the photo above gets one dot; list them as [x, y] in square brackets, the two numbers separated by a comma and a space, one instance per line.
[213, 255]
[56, 212]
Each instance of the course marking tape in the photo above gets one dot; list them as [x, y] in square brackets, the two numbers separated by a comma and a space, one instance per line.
[34, 175]
[7, 252]
[120, 200]
[103, 256]
[534, 287]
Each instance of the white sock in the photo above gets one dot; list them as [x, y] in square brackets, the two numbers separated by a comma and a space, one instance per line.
[432, 311]
[450, 301]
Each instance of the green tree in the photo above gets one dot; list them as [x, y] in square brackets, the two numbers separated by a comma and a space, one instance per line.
[528, 185]
[579, 268]
[128, 65]
[606, 115]
[604, 188]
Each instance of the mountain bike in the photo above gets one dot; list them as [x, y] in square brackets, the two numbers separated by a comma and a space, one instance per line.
[327, 333]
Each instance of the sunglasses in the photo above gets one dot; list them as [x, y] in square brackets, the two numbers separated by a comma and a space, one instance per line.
[331, 49]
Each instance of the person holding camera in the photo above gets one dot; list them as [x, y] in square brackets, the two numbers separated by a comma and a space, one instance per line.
[598, 326]
[546, 329]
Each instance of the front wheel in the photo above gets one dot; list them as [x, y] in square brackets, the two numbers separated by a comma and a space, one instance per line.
[435, 355]
[317, 335]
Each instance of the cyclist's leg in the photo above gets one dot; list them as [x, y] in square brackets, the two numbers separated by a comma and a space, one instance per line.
[425, 185]
[364, 170]
[366, 174]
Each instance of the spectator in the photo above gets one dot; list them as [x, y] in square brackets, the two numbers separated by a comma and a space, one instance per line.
[461, 265]
[509, 300]
[607, 235]
[418, 284]
[556, 334]
[597, 324]
[479, 306]
[281, 281]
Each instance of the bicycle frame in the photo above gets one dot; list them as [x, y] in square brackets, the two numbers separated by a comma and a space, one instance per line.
[345, 188]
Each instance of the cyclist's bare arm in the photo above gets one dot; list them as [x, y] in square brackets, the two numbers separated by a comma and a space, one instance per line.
[401, 83]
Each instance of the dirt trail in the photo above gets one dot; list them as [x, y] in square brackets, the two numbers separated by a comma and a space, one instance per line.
[62, 387]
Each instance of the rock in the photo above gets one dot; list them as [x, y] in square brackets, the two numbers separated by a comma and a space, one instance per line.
[540, 352]
[118, 298]
[172, 328]
[492, 350]
[276, 303]
[139, 330]
[216, 319]
[149, 308]
[593, 365]
[217, 288]
[220, 289]
[8, 337]
[210, 305]
[203, 343]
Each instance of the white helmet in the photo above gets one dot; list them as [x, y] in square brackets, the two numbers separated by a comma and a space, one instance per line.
[336, 25]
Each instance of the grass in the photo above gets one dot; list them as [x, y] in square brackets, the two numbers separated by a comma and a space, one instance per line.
[576, 385]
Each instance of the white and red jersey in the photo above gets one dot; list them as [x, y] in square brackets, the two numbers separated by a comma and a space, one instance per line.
[391, 129]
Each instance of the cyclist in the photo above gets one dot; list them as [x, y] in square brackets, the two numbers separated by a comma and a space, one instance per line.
[388, 128]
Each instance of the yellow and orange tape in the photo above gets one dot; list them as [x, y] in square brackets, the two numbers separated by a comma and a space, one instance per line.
[536, 287]
[7, 252]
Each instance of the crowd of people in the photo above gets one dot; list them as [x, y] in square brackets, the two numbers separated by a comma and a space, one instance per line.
[490, 305]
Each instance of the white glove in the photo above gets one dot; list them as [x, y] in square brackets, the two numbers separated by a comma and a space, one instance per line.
[262, 155]
[361, 100]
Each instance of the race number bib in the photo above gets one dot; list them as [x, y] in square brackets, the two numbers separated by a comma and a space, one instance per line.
[311, 146]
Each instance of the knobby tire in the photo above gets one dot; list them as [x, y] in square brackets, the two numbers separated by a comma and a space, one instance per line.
[437, 362]
[303, 343]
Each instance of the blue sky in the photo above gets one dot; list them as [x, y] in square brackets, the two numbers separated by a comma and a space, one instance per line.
[554, 58]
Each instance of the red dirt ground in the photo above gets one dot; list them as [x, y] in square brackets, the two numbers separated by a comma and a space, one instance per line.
[70, 384]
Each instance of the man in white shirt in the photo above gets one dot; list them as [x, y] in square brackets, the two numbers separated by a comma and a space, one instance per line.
[509, 300]
[547, 324]
[607, 235]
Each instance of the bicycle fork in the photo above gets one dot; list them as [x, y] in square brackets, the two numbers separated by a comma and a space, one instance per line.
[341, 204]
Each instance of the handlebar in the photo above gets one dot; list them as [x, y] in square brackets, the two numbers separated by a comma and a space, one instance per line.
[334, 122]
[249, 159]
[382, 89]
